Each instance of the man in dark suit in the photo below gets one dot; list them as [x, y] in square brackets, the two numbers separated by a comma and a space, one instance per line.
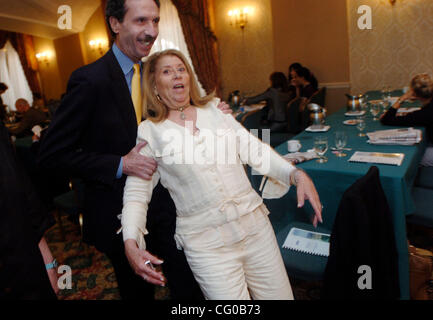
[30, 118]
[27, 269]
[91, 136]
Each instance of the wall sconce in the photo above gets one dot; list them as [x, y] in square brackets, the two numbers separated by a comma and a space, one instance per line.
[44, 57]
[98, 44]
[239, 17]
[392, 2]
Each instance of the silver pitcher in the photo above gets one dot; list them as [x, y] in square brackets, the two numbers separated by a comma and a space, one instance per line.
[317, 114]
[354, 102]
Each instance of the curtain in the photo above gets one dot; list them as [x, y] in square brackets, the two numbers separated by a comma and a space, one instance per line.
[17, 77]
[171, 35]
[9, 96]
[23, 44]
[201, 41]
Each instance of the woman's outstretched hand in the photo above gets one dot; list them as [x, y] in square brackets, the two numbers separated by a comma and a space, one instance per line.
[307, 191]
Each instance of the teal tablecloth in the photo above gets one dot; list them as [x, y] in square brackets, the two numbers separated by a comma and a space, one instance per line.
[335, 176]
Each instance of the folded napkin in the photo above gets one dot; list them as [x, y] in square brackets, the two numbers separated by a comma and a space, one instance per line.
[355, 113]
[405, 137]
[298, 157]
[318, 128]
[275, 189]
[404, 111]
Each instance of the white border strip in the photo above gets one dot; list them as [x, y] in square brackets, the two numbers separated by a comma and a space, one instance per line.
[335, 85]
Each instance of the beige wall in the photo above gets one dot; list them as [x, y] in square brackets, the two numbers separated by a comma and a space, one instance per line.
[70, 53]
[48, 73]
[314, 33]
[69, 57]
[246, 58]
[399, 45]
[280, 33]
[95, 29]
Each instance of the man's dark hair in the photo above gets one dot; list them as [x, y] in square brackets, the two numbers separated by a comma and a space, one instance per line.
[116, 8]
[3, 86]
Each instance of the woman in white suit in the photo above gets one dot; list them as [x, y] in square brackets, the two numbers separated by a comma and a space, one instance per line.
[222, 223]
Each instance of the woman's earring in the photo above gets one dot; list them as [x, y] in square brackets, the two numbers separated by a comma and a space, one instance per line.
[158, 97]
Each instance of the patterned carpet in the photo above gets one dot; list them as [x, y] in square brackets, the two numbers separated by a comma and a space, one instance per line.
[93, 277]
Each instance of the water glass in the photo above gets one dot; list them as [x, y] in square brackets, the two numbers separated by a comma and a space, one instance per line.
[360, 125]
[375, 109]
[340, 142]
[320, 147]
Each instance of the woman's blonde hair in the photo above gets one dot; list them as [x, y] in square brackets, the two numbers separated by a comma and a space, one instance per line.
[422, 86]
[153, 108]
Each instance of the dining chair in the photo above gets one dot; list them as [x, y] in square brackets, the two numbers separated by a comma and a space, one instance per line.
[424, 178]
[363, 243]
[251, 119]
[293, 112]
[361, 234]
[70, 203]
[423, 216]
[319, 97]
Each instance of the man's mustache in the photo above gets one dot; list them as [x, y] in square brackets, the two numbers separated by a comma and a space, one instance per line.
[148, 38]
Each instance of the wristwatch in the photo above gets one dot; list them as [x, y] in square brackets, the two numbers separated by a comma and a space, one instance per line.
[51, 265]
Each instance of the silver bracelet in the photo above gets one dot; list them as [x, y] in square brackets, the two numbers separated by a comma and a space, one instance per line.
[293, 180]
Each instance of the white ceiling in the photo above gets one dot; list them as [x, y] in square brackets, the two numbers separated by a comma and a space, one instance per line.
[40, 17]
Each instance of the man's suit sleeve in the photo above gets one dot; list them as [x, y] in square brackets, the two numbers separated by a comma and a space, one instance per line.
[61, 148]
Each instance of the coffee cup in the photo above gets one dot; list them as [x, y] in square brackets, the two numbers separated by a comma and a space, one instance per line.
[293, 145]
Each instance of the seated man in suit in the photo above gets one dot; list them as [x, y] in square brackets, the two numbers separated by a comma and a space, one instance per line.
[30, 118]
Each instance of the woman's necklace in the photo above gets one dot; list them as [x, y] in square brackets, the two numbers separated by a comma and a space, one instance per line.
[182, 114]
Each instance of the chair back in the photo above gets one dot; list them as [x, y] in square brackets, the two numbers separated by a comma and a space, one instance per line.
[251, 120]
[362, 235]
[319, 97]
[78, 188]
[293, 116]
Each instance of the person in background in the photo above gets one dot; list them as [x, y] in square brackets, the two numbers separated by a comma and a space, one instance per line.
[3, 88]
[38, 102]
[276, 96]
[421, 88]
[304, 82]
[27, 267]
[30, 117]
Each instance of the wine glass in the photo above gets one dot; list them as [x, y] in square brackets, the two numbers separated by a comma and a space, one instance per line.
[320, 147]
[385, 104]
[360, 125]
[340, 143]
[375, 109]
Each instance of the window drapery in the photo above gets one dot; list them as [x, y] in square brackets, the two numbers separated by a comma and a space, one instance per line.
[171, 35]
[22, 45]
[201, 41]
[12, 74]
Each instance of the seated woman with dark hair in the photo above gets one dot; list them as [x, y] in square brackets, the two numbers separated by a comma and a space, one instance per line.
[304, 82]
[421, 88]
[276, 97]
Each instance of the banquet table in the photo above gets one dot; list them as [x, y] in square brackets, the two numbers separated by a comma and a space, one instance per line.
[335, 176]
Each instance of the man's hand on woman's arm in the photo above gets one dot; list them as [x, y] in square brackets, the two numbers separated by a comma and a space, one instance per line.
[135, 164]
